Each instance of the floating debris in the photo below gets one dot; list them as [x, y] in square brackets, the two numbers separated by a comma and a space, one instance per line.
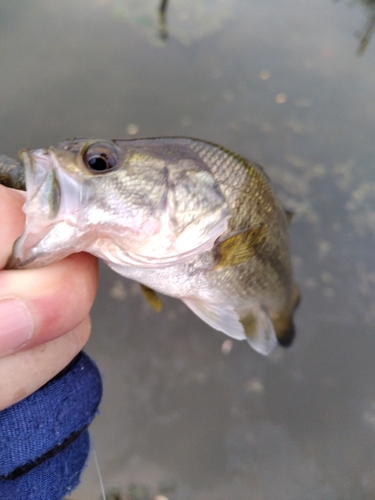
[118, 291]
[226, 347]
[254, 386]
[132, 129]
[280, 98]
[265, 74]
[113, 494]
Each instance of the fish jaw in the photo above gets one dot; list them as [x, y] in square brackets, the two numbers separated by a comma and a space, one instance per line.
[53, 200]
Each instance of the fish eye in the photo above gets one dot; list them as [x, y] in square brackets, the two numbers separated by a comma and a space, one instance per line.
[100, 157]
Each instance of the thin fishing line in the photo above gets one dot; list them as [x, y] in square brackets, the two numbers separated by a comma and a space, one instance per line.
[98, 470]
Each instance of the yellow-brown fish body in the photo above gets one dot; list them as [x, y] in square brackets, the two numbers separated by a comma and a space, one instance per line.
[182, 216]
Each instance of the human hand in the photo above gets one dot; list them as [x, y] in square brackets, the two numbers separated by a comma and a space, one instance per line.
[44, 313]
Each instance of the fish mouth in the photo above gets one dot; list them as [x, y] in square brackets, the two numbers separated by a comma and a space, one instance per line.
[53, 198]
[51, 191]
[42, 185]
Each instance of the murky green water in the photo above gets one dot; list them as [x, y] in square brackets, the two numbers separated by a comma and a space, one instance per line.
[291, 85]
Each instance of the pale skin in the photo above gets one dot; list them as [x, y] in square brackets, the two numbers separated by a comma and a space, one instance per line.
[51, 308]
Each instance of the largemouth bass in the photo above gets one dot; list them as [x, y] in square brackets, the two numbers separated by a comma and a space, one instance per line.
[183, 217]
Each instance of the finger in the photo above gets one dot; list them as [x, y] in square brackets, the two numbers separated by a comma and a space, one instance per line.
[12, 220]
[24, 372]
[38, 305]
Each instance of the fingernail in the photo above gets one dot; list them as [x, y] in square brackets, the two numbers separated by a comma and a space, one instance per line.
[16, 325]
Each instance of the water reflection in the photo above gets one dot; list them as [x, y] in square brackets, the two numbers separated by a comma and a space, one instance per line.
[163, 29]
[193, 20]
[368, 30]
[187, 21]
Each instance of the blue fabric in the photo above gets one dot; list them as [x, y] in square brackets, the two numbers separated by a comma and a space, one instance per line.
[43, 442]
[53, 478]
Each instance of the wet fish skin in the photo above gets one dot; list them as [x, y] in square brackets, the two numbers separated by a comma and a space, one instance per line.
[12, 173]
[182, 216]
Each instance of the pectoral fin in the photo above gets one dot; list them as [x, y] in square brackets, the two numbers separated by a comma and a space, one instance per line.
[221, 318]
[152, 298]
[259, 330]
[241, 247]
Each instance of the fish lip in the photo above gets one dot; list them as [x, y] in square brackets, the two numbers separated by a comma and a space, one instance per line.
[53, 197]
[43, 190]
[64, 191]
[38, 217]
[37, 164]
[29, 156]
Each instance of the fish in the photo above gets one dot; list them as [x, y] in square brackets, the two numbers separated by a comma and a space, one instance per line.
[184, 217]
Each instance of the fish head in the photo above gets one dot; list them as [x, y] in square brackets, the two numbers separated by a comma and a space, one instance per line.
[132, 203]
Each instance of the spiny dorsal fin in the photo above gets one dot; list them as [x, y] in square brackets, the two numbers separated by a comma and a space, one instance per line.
[241, 247]
[152, 298]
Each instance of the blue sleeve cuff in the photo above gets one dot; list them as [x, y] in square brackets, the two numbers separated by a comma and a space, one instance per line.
[44, 443]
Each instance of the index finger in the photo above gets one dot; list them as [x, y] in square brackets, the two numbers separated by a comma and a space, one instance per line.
[38, 305]
[12, 220]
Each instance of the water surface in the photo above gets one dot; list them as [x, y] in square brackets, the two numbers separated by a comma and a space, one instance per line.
[291, 85]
